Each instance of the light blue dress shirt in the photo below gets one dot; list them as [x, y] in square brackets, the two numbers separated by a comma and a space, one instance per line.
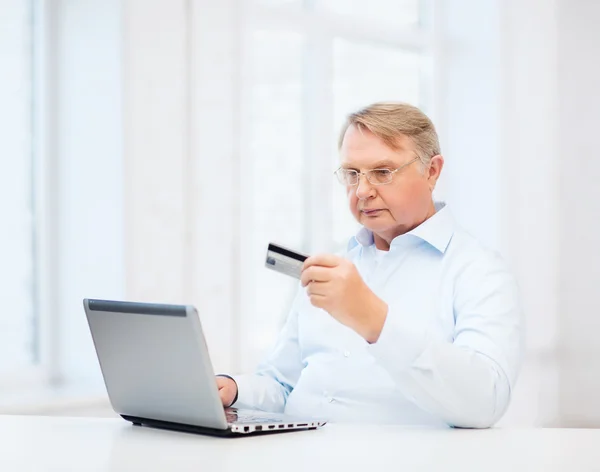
[448, 355]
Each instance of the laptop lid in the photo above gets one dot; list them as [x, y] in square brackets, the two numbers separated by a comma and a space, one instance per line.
[155, 362]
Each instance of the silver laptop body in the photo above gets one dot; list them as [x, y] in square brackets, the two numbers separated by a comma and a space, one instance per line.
[157, 371]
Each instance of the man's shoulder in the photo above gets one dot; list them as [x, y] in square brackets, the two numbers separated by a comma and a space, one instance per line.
[470, 255]
[465, 242]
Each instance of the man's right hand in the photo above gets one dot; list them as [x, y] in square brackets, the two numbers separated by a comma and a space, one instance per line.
[227, 390]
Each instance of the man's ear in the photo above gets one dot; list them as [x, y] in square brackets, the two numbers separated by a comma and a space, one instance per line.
[435, 169]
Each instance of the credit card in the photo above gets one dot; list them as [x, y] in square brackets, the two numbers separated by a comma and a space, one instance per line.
[285, 260]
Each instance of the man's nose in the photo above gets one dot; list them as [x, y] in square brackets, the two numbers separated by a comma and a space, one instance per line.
[364, 188]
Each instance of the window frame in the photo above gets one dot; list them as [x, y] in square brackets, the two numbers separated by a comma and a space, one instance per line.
[42, 369]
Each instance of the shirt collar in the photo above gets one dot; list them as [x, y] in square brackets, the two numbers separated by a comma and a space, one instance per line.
[436, 231]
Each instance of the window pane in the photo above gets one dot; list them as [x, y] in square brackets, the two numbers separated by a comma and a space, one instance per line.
[396, 13]
[363, 74]
[273, 171]
[17, 344]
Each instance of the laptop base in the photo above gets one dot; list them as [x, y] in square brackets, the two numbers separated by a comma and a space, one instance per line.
[188, 428]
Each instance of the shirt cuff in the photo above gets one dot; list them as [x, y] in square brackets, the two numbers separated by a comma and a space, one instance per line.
[400, 343]
[246, 389]
[237, 389]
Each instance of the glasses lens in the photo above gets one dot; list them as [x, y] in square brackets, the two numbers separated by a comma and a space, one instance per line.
[346, 176]
[380, 176]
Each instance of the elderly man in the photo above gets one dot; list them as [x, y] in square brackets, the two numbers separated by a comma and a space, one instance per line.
[418, 323]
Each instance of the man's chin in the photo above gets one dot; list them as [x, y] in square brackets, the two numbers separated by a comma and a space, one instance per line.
[375, 225]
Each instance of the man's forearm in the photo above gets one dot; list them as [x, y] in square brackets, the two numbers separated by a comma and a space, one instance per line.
[261, 392]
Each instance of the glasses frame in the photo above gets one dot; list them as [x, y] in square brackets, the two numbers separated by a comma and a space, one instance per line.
[368, 174]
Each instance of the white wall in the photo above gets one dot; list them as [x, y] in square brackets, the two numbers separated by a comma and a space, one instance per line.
[530, 195]
[579, 211]
[498, 114]
[551, 111]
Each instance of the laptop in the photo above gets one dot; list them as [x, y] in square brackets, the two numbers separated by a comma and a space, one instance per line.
[158, 373]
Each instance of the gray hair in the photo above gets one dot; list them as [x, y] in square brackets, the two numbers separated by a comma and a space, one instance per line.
[391, 120]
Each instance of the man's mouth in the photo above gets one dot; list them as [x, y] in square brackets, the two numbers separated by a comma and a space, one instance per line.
[371, 211]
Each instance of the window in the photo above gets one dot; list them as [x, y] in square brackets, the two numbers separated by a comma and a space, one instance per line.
[274, 167]
[19, 343]
[365, 73]
[305, 66]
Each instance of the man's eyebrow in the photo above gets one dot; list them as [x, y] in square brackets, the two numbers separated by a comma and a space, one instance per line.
[377, 165]
[385, 163]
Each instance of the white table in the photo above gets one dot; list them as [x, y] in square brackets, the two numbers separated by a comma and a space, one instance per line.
[31, 443]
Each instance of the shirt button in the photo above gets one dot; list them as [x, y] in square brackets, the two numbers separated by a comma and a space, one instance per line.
[330, 399]
[346, 353]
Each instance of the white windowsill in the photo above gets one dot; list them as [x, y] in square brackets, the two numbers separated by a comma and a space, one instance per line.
[41, 400]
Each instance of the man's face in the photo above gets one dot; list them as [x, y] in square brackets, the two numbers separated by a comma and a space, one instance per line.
[395, 208]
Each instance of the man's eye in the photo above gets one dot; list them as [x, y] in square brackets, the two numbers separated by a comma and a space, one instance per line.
[381, 172]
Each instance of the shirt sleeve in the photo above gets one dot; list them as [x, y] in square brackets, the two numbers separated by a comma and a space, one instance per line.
[276, 376]
[466, 382]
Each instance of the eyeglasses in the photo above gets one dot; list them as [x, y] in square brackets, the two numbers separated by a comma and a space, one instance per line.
[351, 177]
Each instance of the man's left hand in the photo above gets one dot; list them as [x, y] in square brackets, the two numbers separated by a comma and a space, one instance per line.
[334, 284]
